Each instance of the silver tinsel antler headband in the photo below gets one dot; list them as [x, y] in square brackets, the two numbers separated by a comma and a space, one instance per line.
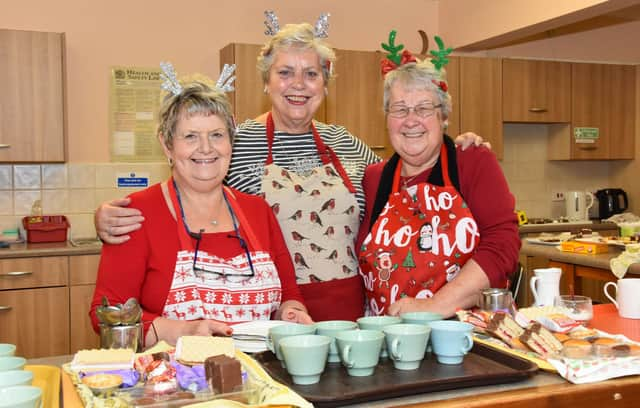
[171, 84]
[321, 29]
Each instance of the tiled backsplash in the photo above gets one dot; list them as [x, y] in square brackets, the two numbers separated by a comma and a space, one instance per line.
[72, 189]
[75, 189]
[532, 178]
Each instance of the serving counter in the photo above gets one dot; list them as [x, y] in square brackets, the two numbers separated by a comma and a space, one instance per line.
[543, 389]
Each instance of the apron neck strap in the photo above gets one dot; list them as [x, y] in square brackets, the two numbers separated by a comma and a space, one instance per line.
[444, 165]
[327, 155]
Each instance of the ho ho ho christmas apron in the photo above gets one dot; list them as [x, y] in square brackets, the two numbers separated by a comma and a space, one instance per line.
[319, 217]
[420, 241]
[232, 299]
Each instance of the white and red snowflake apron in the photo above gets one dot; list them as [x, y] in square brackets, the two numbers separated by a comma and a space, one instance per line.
[229, 299]
[420, 241]
[319, 217]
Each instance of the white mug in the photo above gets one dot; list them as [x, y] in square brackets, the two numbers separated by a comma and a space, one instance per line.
[545, 285]
[628, 295]
[578, 204]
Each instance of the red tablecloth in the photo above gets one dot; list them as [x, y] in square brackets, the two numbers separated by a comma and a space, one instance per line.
[606, 318]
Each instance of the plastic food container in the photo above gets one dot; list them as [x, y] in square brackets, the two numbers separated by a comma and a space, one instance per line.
[140, 397]
[46, 228]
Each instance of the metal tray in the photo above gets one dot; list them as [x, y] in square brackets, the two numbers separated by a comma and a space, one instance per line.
[482, 366]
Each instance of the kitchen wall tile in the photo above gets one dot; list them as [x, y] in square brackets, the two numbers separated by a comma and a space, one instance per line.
[106, 175]
[55, 202]
[82, 201]
[81, 175]
[23, 201]
[54, 176]
[81, 226]
[9, 222]
[6, 177]
[26, 177]
[6, 202]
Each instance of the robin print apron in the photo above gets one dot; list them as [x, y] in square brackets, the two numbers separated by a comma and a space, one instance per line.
[420, 241]
[319, 217]
[221, 289]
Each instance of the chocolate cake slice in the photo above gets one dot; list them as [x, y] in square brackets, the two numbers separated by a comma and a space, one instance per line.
[223, 374]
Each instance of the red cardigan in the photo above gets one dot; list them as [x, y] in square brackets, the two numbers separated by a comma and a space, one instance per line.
[143, 266]
[487, 194]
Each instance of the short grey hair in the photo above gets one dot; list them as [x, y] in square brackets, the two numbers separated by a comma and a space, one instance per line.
[419, 76]
[300, 36]
[196, 98]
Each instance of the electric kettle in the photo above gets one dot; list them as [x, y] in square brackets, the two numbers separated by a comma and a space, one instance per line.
[611, 201]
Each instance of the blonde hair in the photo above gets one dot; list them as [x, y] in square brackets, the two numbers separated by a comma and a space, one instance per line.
[198, 97]
[302, 37]
[419, 76]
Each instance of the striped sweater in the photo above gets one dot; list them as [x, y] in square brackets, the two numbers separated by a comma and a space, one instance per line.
[295, 152]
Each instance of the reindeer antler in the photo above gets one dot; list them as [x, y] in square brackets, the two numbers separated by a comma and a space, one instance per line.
[170, 78]
[322, 26]
[394, 51]
[440, 59]
[271, 22]
[225, 82]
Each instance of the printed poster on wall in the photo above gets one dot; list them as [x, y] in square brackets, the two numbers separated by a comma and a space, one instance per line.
[134, 101]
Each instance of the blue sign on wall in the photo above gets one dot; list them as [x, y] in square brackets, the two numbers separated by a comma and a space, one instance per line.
[133, 180]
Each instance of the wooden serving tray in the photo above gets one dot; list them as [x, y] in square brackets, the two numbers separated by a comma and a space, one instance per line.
[482, 366]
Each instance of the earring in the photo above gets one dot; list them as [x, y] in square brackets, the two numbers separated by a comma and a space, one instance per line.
[326, 91]
[266, 91]
[170, 160]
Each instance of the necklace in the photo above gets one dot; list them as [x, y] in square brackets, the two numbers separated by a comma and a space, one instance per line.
[407, 180]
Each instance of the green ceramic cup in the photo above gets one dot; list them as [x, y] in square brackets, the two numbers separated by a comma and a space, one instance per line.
[15, 377]
[20, 396]
[378, 323]
[330, 328]
[359, 350]
[421, 318]
[451, 340]
[407, 344]
[12, 363]
[7, 350]
[305, 357]
[278, 333]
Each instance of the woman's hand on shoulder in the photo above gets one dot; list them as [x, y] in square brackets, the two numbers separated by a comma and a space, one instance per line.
[469, 138]
[114, 221]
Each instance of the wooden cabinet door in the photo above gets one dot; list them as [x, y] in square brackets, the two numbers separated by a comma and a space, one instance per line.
[31, 100]
[355, 98]
[481, 99]
[536, 91]
[603, 97]
[82, 278]
[249, 99]
[36, 320]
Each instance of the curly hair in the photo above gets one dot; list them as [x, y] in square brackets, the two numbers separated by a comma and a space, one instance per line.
[299, 36]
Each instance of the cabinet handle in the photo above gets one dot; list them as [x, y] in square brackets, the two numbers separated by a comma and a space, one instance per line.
[586, 146]
[538, 110]
[377, 147]
[4, 146]
[9, 274]
[5, 308]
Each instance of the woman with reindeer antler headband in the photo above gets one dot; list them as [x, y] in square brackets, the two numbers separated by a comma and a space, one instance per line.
[439, 222]
[207, 256]
[309, 172]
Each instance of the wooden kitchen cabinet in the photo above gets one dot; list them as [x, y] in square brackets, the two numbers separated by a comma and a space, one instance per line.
[355, 98]
[481, 99]
[32, 97]
[34, 305]
[536, 91]
[83, 271]
[603, 97]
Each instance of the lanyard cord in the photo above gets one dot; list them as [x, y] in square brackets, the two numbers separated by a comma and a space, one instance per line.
[198, 236]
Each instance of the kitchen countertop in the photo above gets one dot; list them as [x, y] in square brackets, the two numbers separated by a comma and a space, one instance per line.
[26, 250]
[566, 226]
[600, 261]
